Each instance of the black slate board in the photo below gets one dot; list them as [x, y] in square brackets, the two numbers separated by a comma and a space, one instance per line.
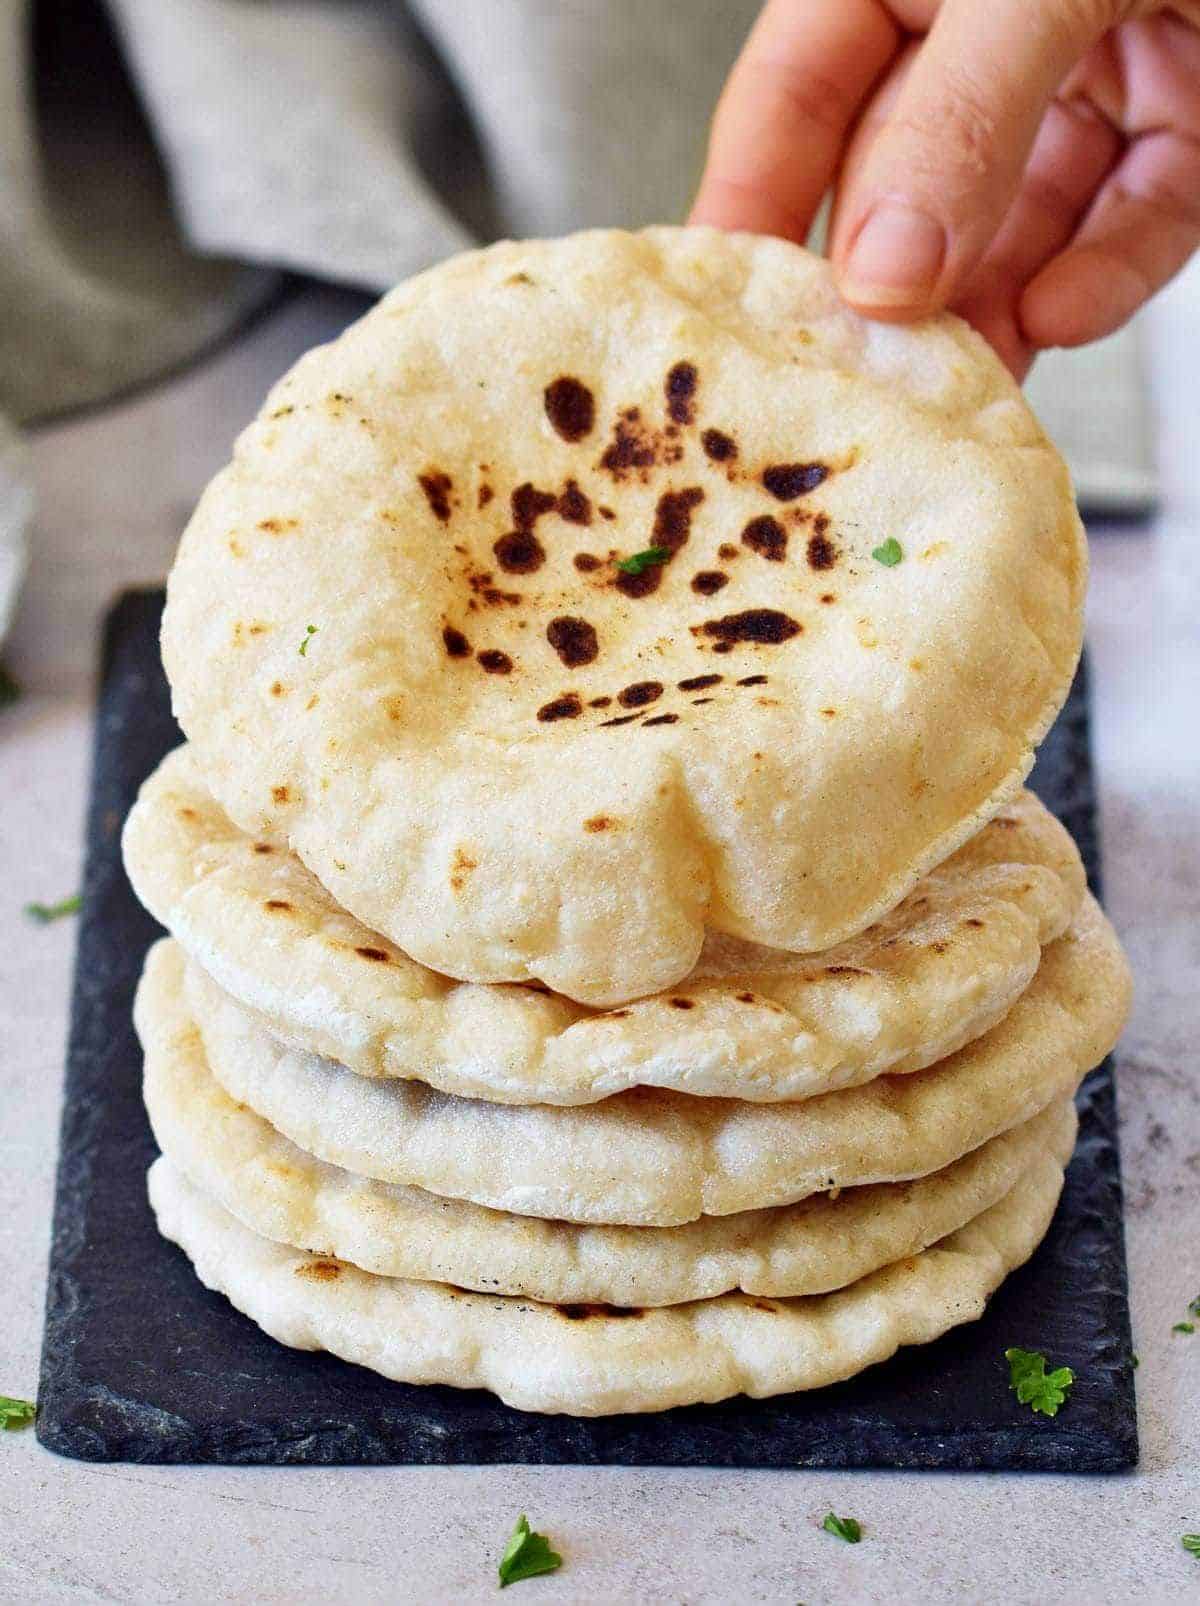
[140, 1363]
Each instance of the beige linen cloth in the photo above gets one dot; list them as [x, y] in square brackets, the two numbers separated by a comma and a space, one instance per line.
[161, 160]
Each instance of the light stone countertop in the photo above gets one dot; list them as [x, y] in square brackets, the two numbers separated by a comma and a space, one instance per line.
[114, 489]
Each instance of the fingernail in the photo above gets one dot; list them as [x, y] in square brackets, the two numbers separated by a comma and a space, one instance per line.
[896, 259]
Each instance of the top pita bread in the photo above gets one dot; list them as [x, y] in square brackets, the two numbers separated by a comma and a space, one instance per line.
[749, 1022]
[517, 761]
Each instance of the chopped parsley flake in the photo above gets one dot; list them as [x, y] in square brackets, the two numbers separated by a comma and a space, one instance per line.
[641, 561]
[1184, 1327]
[1034, 1386]
[846, 1528]
[9, 690]
[44, 913]
[527, 1555]
[1194, 1306]
[308, 635]
[1191, 1543]
[16, 1413]
[889, 554]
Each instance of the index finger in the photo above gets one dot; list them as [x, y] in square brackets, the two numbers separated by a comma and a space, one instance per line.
[782, 119]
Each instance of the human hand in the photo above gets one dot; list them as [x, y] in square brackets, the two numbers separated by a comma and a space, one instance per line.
[1033, 164]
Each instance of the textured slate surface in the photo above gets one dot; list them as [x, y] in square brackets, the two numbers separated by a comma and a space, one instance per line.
[140, 1363]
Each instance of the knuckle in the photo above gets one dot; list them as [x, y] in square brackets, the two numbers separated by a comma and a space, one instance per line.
[1086, 18]
[1165, 201]
[813, 100]
[1051, 199]
[966, 117]
[961, 126]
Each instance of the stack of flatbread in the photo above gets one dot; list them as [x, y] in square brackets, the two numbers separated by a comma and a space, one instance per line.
[613, 960]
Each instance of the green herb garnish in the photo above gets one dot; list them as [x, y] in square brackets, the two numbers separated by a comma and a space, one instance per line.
[9, 690]
[1034, 1386]
[641, 561]
[889, 554]
[1136, 1361]
[1191, 1543]
[44, 913]
[1194, 1306]
[308, 635]
[846, 1528]
[16, 1413]
[527, 1555]
[1184, 1327]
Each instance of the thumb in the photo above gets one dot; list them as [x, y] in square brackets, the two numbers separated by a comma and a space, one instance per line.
[933, 188]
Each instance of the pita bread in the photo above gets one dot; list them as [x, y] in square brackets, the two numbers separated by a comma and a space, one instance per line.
[654, 1158]
[275, 1189]
[592, 1360]
[399, 637]
[749, 1022]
